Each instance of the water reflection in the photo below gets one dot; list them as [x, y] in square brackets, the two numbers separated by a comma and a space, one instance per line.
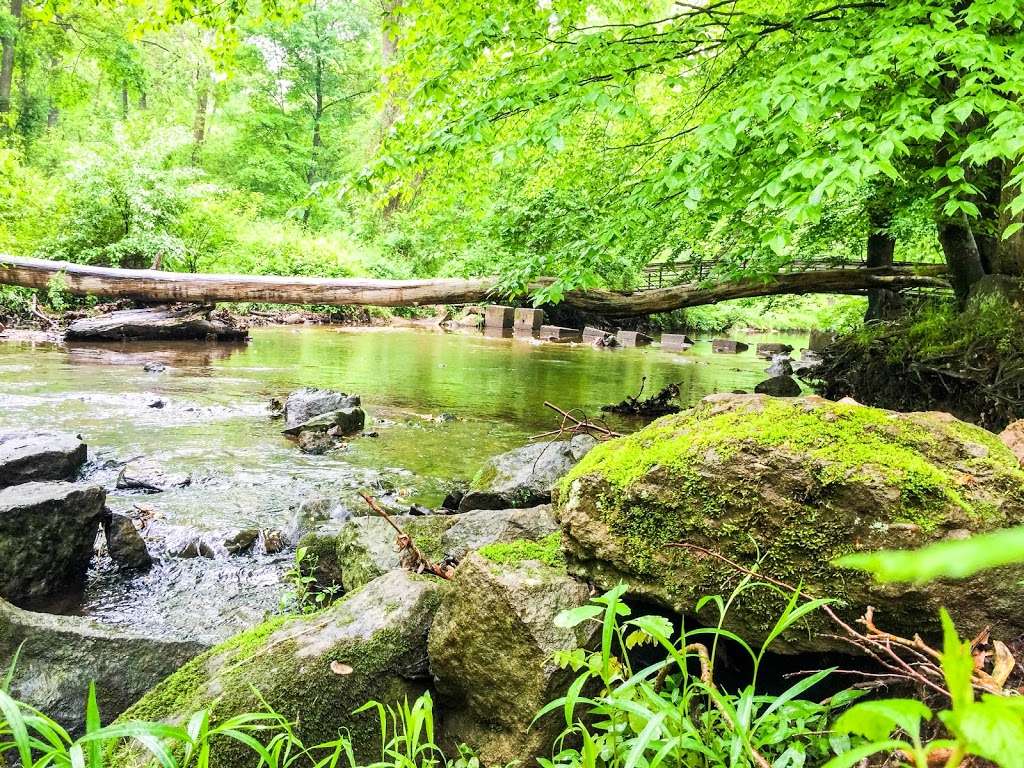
[442, 403]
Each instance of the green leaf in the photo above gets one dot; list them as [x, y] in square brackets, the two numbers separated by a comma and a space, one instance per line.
[876, 720]
[992, 728]
[946, 559]
[957, 664]
[575, 616]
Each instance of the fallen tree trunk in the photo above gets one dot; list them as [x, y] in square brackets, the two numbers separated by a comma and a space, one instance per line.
[154, 286]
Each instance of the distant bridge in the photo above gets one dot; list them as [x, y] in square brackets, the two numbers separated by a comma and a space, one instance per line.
[168, 287]
[669, 273]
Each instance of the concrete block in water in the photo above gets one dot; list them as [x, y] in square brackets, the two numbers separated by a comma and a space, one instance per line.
[558, 333]
[497, 316]
[728, 347]
[633, 339]
[768, 350]
[528, 319]
[590, 333]
[676, 341]
[820, 339]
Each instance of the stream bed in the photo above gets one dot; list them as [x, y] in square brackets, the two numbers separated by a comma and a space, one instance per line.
[441, 404]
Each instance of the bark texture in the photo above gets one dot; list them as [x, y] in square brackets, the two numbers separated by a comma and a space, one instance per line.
[153, 286]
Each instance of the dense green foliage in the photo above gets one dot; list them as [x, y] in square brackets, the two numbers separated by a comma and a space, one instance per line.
[559, 137]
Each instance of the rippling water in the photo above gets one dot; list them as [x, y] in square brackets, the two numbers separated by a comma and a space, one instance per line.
[441, 403]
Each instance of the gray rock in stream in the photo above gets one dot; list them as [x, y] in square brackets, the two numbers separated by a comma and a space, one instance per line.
[779, 386]
[39, 456]
[156, 323]
[47, 533]
[524, 477]
[124, 543]
[62, 654]
[309, 402]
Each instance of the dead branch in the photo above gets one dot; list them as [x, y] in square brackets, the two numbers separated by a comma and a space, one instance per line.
[656, 405]
[573, 425]
[412, 556]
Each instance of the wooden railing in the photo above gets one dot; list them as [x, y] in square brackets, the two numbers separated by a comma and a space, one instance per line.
[667, 273]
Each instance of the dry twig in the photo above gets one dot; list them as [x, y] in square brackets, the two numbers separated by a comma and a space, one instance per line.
[908, 659]
[412, 556]
[573, 424]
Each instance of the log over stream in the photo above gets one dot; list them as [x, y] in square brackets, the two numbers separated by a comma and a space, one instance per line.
[156, 286]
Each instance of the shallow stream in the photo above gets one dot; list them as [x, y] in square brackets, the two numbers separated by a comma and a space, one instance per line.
[441, 403]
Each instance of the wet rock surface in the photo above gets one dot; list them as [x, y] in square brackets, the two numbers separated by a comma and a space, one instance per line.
[60, 655]
[157, 323]
[792, 485]
[40, 456]
[524, 477]
[490, 650]
[309, 402]
[47, 532]
[124, 543]
[779, 386]
[314, 671]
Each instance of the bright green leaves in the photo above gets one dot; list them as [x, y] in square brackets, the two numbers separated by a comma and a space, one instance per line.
[945, 559]
[876, 720]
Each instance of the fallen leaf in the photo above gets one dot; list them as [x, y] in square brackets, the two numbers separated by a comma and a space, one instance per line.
[341, 669]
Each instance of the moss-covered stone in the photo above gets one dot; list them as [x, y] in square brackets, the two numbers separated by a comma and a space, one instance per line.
[365, 546]
[380, 631]
[491, 649]
[548, 551]
[524, 477]
[793, 484]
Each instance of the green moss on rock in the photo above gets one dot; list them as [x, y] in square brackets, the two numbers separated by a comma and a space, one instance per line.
[791, 484]
[380, 631]
[548, 551]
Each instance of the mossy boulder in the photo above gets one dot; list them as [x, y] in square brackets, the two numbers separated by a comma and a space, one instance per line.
[378, 632]
[524, 477]
[59, 655]
[790, 485]
[362, 548]
[491, 649]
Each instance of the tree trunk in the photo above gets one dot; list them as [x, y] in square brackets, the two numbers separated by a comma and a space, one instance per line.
[143, 100]
[124, 100]
[882, 304]
[318, 113]
[202, 107]
[7, 62]
[962, 256]
[149, 285]
[389, 113]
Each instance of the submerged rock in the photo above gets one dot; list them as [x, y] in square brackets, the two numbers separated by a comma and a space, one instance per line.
[779, 386]
[124, 543]
[312, 670]
[792, 485]
[159, 323]
[62, 654]
[364, 547]
[490, 652]
[524, 477]
[47, 532]
[242, 542]
[315, 442]
[345, 421]
[309, 402]
[782, 365]
[39, 456]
